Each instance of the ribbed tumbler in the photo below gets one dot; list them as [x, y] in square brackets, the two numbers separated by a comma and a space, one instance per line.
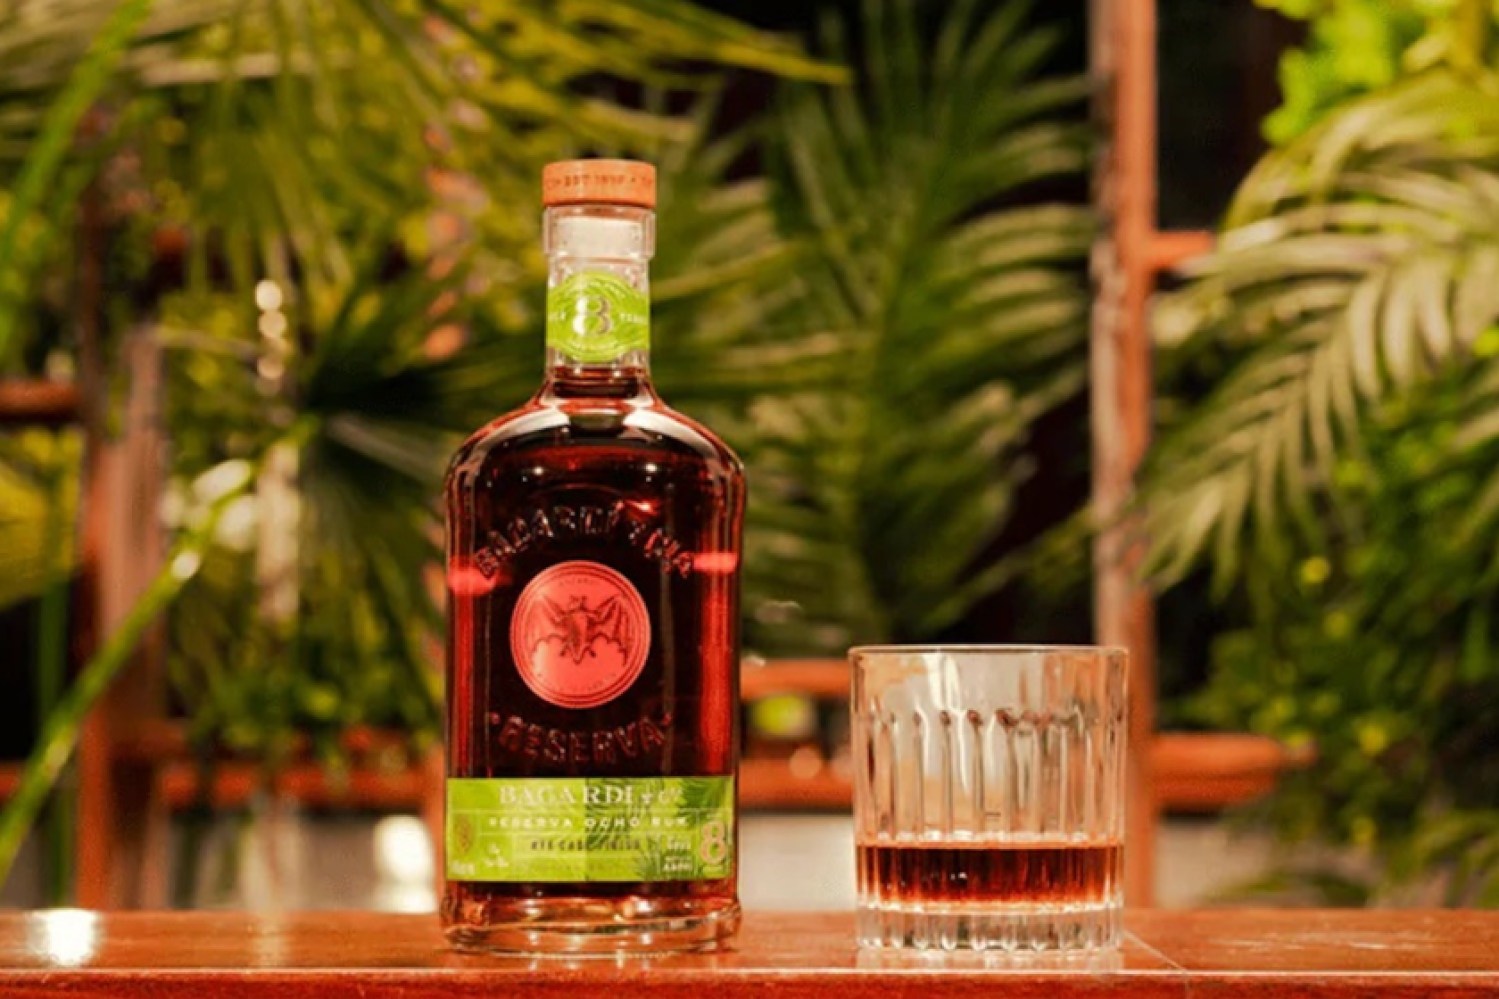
[989, 796]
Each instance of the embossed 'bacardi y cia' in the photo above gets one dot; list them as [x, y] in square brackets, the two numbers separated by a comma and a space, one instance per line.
[593, 624]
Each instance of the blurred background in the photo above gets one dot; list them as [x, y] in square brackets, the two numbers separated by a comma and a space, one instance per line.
[264, 262]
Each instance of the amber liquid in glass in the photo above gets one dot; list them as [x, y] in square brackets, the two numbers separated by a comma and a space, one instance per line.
[594, 469]
[1012, 872]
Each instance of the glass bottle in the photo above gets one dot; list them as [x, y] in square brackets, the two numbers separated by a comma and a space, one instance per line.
[593, 541]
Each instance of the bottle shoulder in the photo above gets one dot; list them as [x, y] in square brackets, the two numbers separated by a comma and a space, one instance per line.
[605, 429]
[692, 434]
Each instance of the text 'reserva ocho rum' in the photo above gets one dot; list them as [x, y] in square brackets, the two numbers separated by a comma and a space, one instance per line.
[593, 626]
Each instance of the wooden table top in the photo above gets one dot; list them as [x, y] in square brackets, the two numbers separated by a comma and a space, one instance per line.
[1220, 953]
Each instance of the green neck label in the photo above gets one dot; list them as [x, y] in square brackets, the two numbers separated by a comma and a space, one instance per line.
[595, 317]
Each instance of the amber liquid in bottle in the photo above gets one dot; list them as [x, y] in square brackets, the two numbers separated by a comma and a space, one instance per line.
[593, 587]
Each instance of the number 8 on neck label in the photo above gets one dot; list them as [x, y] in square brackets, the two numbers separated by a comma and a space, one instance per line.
[595, 318]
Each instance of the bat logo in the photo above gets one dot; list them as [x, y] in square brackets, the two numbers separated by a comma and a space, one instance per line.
[577, 627]
[580, 634]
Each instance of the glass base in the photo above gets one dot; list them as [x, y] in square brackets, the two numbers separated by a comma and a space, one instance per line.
[989, 926]
[606, 927]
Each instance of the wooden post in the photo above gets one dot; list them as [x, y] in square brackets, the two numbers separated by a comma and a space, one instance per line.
[1122, 43]
[123, 524]
[94, 841]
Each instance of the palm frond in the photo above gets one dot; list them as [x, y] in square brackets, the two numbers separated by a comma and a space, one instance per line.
[376, 162]
[44, 160]
[280, 130]
[957, 312]
[38, 507]
[1361, 261]
[370, 417]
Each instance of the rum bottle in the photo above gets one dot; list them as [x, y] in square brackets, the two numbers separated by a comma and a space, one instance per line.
[593, 550]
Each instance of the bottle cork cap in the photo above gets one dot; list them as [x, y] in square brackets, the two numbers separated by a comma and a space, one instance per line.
[607, 182]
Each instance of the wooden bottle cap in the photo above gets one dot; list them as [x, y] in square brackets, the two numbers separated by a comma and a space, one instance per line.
[607, 182]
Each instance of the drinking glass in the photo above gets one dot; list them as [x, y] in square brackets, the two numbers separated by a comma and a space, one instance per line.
[989, 796]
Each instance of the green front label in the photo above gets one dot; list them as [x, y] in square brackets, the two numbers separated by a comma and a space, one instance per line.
[590, 828]
[595, 317]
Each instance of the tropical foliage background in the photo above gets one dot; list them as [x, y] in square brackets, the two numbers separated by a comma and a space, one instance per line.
[325, 214]
[1331, 449]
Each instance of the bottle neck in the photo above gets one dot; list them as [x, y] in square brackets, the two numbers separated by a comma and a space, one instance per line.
[598, 300]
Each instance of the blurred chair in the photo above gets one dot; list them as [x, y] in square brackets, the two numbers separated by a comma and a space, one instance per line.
[812, 774]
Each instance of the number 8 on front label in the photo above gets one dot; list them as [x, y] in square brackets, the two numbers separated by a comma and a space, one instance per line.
[713, 847]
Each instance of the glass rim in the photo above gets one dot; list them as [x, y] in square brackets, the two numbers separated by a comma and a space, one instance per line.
[973, 648]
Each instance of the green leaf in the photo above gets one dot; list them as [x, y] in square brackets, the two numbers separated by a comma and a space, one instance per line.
[46, 157]
[956, 323]
[1361, 265]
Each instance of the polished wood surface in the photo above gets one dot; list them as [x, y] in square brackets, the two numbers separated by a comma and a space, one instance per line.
[787, 956]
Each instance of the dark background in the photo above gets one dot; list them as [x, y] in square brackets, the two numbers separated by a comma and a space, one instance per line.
[1217, 66]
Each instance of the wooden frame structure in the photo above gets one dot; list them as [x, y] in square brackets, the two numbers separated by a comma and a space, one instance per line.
[1128, 258]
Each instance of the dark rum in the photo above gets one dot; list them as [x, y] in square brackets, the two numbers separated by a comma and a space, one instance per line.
[593, 626]
[1011, 872]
